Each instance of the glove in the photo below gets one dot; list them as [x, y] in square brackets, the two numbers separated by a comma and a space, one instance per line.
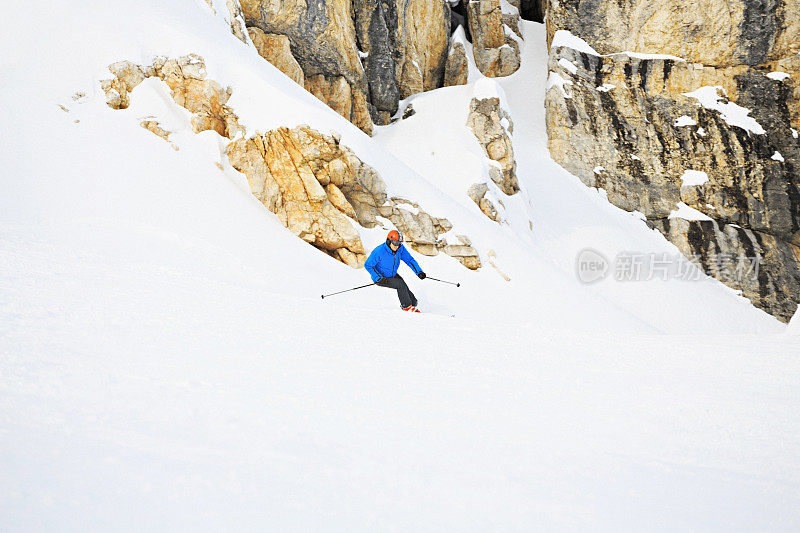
[421, 275]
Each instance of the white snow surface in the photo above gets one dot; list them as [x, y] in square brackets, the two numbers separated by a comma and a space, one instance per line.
[688, 213]
[507, 8]
[779, 76]
[684, 121]
[735, 115]
[570, 40]
[647, 56]
[488, 88]
[568, 65]
[167, 363]
[643, 55]
[794, 324]
[557, 80]
[693, 178]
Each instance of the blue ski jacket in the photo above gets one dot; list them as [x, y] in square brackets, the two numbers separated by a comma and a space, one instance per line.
[383, 262]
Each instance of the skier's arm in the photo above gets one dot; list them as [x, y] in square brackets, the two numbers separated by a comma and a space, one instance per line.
[409, 260]
[369, 266]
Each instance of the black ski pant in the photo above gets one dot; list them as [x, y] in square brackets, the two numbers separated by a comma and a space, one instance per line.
[403, 292]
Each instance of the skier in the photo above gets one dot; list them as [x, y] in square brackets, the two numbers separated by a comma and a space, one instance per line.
[382, 266]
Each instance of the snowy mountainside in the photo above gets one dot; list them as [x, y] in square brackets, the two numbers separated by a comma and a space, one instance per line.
[264, 99]
[168, 363]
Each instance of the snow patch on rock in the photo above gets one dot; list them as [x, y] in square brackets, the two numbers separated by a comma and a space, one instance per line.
[778, 76]
[685, 121]
[570, 40]
[556, 80]
[713, 97]
[693, 178]
[645, 56]
[568, 65]
[688, 213]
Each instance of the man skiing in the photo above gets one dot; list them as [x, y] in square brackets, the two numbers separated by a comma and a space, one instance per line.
[382, 266]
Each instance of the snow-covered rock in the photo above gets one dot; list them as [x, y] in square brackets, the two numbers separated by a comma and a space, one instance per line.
[496, 51]
[491, 123]
[676, 101]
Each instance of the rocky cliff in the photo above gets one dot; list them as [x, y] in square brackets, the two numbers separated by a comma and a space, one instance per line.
[710, 122]
[361, 57]
[494, 36]
[318, 188]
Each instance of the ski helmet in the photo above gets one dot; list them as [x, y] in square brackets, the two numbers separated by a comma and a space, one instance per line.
[394, 237]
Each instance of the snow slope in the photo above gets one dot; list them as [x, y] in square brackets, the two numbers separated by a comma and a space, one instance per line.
[167, 362]
[567, 217]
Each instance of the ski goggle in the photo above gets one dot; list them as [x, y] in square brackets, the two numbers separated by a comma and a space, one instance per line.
[394, 241]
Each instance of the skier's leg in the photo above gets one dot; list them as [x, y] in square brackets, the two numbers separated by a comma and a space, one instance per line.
[401, 288]
[410, 295]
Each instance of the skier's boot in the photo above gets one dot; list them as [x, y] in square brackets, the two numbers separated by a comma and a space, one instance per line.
[411, 309]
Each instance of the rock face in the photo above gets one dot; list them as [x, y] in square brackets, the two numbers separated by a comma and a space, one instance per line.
[238, 26]
[406, 42]
[361, 56]
[426, 233]
[720, 33]
[456, 69]
[493, 127]
[478, 194]
[127, 76]
[154, 127]
[275, 49]
[207, 99]
[716, 130]
[186, 77]
[318, 188]
[723, 251]
[297, 174]
[322, 40]
[496, 51]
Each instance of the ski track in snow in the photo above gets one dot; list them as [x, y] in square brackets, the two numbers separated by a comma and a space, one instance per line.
[166, 362]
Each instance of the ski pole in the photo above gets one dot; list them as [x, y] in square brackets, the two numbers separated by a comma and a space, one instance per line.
[443, 281]
[348, 290]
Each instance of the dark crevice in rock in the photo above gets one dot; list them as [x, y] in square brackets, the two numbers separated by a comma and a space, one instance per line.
[533, 10]
[459, 16]
[793, 193]
[622, 133]
[587, 64]
[628, 74]
[572, 112]
[699, 243]
[384, 93]
[759, 29]
[667, 70]
[643, 72]
[763, 281]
